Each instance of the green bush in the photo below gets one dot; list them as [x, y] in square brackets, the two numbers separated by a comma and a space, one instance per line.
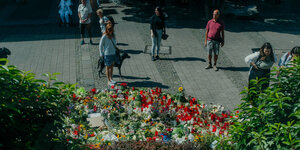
[32, 111]
[269, 119]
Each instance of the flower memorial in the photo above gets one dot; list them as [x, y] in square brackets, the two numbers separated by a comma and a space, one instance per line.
[144, 115]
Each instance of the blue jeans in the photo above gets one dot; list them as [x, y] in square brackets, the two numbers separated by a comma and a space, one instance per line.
[156, 41]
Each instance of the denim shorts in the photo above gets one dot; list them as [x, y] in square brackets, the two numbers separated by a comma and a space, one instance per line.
[213, 46]
[109, 59]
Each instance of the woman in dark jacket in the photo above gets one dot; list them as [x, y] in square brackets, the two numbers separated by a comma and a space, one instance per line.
[157, 28]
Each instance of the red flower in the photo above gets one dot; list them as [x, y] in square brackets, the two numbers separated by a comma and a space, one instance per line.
[75, 132]
[123, 84]
[95, 108]
[237, 111]
[74, 95]
[214, 128]
[132, 88]
[112, 86]
[94, 90]
[194, 99]
[68, 140]
[115, 96]
[164, 97]
[92, 135]
[141, 92]
[156, 133]
[205, 121]
[142, 109]
[154, 138]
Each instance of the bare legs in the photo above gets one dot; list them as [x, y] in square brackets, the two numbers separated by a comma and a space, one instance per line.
[109, 72]
[215, 59]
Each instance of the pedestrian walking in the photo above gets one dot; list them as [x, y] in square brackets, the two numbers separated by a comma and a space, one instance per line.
[261, 63]
[288, 57]
[157, 28]
[103, 20]
[65, 12]
[214, 37]
[107, 48]
[85, 14]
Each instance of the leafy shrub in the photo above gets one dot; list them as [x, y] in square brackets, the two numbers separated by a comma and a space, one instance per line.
[32, 111]
[270, 119]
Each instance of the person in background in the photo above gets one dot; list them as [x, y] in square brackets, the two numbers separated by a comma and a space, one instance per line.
[157, 27]
[103, 20]
[288, 57]
[85, 14]
[107, 48]
[261, 63]
[214, 37]
[65, 11]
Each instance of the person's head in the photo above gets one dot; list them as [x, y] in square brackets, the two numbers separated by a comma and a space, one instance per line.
[158, 11]
[216, 14]
[267, 50]
[295, 52]
[100, 13]
[109, 29]
[83, 2]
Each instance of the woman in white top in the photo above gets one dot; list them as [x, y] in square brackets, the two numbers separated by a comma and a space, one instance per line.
[261, 63]
[107, 48]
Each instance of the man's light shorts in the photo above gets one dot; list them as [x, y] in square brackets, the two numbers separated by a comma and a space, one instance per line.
[213, 46]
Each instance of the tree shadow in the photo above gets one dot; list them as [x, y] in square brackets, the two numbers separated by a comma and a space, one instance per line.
[243, 69]
[185, 59]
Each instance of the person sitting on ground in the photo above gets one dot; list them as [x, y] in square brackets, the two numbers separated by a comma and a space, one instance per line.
[288, 57]
[65, 11]
[107, 48]
[103, 20]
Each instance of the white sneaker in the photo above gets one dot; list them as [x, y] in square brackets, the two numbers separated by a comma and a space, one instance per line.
[113, 82]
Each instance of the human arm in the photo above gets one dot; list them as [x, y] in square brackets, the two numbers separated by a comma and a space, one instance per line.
[251, 59]
[205, 42]
[101, 46]
[223, 38]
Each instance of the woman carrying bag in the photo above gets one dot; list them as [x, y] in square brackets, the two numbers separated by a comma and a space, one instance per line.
[108, 51]
[261, 63]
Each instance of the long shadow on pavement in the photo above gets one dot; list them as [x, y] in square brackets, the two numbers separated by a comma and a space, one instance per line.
[243, 69]
[185, 59]
[147, 84]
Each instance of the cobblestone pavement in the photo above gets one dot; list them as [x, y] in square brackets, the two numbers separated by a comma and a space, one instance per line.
[39, 45]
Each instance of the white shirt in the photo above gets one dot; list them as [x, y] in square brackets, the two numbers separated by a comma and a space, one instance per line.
[84, 12]
[107, 46]
[253, 58]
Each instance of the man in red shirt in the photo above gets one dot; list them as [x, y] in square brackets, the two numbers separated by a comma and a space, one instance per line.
[214, 36]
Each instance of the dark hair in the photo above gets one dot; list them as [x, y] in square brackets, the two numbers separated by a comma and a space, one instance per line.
[160, 12]
[267, 45]
[296, 50]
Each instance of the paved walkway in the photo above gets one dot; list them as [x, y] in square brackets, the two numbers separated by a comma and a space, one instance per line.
[39, 45]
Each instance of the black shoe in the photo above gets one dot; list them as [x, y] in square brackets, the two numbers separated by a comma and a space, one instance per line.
[153, 58]
[157, 57]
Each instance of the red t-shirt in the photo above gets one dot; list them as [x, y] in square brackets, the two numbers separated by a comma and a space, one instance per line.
[214, 28]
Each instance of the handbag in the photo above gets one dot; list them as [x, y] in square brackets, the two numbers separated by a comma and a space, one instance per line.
[164, 36]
